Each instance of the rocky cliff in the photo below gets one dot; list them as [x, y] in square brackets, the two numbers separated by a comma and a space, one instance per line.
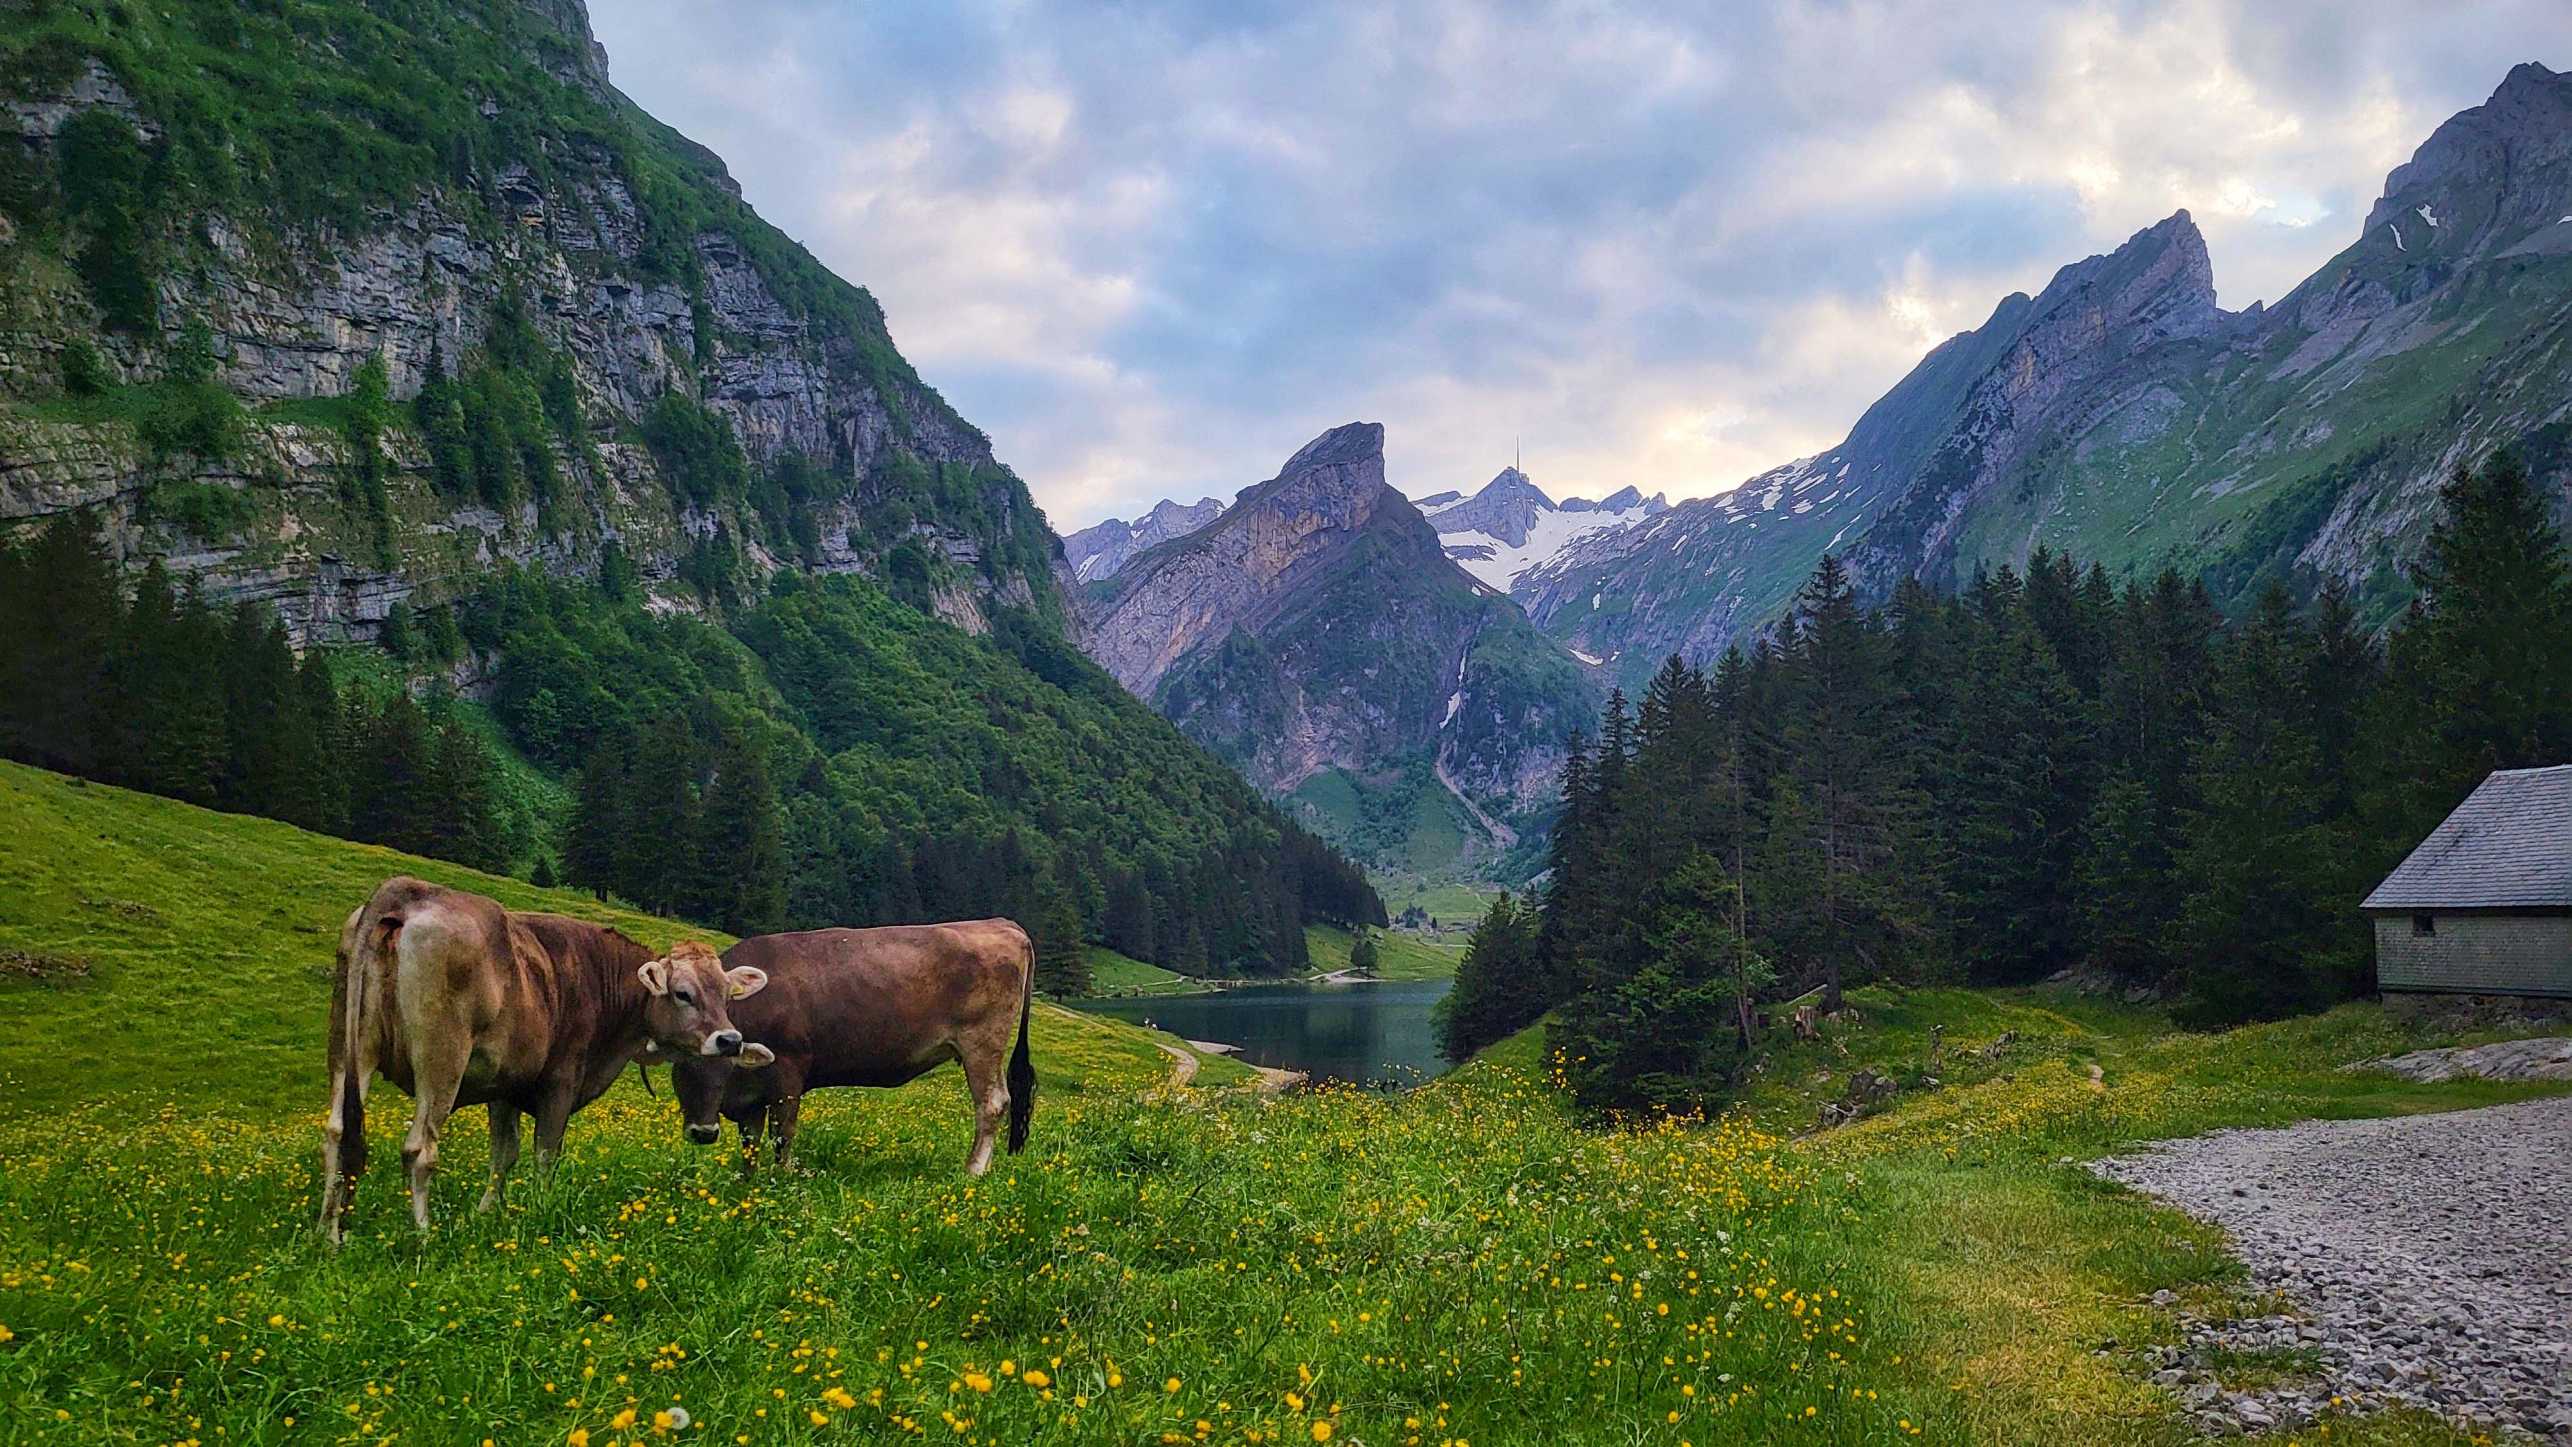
[2120, 415]
[1317, 636]
[461, 193]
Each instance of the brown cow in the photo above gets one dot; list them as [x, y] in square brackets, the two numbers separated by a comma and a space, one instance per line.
[458, 1002]
[875, 1007]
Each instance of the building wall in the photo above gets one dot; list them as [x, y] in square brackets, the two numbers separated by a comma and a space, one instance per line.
[2490, 954]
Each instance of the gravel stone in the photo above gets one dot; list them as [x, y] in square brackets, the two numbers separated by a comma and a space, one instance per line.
[2430, 1257]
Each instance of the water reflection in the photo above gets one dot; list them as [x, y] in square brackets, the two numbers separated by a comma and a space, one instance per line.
[1369, 1033]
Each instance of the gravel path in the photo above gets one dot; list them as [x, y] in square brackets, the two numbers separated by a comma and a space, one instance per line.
[2431, 1256]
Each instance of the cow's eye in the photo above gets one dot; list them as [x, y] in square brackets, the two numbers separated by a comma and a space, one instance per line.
[686, 999]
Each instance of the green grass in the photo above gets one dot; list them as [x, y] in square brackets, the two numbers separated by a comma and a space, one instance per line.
[1464, 1262]
[1446, 902]
[1115, 974]
[1398, 956]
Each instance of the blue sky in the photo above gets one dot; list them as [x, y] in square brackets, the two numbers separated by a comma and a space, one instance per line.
[1152, 249]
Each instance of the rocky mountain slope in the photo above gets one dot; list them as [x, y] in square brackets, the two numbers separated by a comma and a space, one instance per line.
[1511, 525]
[1102, 549]
[201, 203]
[1317, 636]
[2121, 415]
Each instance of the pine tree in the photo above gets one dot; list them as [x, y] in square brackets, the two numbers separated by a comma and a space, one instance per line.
[594, 842]
[1838, 733]
[2023, 799]
[2264, 929]
[1062, 961]
[259, 699]
[398, 767]
[1659, 1035]
[1363, 955]
[60, 614]
[657, 856]
[312, 752]
[2125, 884]
[1496, 993]
[2482, 675]
[168, 692]
[741, 847]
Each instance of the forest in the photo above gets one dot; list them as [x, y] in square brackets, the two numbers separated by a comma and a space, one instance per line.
[825, 755]
[2043, 772]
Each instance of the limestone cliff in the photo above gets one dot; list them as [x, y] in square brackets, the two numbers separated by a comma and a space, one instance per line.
[721, 403]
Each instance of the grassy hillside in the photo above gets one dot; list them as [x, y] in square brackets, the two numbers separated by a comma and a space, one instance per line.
[1466, 1263]
[151, 950]
[1398, 956]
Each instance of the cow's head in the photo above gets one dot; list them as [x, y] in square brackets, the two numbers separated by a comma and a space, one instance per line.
[687, 1005]
[701, 1086]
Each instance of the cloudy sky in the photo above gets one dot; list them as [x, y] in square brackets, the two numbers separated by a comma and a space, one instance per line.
[1152, 249]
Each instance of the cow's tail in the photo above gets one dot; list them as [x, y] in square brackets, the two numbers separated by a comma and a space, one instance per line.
[1022, 1070]
[362, 965]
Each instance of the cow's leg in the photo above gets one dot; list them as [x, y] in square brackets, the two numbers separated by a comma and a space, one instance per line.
[553, 1115]
[439, 1074]
[783, 1114]
[752, 1126]
[990, 1092]
[504, 1153]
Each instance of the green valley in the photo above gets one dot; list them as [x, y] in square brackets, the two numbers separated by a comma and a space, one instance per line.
[1465, 1263]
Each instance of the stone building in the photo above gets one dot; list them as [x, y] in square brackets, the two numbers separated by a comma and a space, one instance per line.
[2484, 905]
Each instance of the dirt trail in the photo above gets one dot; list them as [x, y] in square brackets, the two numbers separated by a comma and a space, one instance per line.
[1183, 1069]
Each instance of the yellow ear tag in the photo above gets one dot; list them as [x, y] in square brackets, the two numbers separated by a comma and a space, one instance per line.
[738, 992]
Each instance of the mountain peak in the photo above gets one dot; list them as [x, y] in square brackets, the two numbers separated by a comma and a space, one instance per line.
[1350, 442]
[2489, 174]
[1102, 549]
[2159, 284]
[1510, 482]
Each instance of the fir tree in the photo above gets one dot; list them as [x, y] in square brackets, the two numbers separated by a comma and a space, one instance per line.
[2482, 670]
[1062, 962]
[741, 845]
[2264, 929]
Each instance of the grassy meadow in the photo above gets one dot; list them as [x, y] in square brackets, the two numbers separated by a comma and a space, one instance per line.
[1466, 1263]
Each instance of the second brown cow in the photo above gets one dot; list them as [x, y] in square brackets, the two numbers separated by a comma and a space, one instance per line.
[874, 1007]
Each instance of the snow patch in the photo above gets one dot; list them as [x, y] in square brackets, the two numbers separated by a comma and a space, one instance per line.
[2397, 236]
[1455, 701]
[1547, 537]
[1592, 659]
[2426, 214]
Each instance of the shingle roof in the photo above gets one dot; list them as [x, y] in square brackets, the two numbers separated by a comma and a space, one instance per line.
[2508, 845]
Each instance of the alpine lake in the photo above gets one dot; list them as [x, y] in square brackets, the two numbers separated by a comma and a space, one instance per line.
[1365, 1032]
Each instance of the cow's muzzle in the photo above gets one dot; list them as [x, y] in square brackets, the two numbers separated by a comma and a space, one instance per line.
[704, 1135]
[723, 1042]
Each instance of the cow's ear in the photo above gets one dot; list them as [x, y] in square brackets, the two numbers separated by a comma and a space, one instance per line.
[655, 975]
[747, 980]
[754, 1056]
